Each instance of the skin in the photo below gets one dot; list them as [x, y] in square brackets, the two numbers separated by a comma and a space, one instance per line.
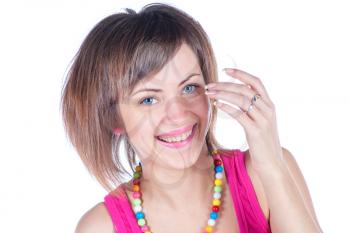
[288, 210]
[169, 175]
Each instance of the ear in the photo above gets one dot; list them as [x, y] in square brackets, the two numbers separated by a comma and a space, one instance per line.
[118, 131]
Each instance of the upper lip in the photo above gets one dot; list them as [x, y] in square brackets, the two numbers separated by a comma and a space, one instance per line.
[177, 131]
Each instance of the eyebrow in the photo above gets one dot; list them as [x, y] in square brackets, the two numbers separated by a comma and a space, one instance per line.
[159, 90]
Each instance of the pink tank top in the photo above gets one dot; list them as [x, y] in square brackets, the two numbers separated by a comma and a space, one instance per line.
[250, 216]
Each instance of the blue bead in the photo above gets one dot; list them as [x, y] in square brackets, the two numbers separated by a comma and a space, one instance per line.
[140, 214]
[213, 215]
[218, 168]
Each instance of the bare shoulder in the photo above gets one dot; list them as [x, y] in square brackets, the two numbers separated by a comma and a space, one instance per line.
[300, 182]
[296, 174]
[95, 220]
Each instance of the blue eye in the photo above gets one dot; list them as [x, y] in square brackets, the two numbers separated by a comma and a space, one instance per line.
[192, 85]
[144, 100]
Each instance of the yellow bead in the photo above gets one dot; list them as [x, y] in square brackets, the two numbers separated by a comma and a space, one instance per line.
[215, 151]
[216, 202]
[208, 229]
[218, 182]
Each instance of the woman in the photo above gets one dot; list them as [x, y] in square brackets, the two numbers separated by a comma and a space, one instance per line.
[149, 79]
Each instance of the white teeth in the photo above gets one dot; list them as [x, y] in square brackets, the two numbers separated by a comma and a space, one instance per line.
[177, 138]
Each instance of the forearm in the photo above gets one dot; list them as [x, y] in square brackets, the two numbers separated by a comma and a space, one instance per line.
[288, 212]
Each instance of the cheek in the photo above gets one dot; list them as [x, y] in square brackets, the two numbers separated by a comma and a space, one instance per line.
[135, 121]
[200, 106]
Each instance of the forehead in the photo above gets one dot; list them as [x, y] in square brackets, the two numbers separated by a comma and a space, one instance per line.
[180, 65]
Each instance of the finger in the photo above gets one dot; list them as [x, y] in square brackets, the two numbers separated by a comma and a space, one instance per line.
[251, 80]
[265, 109]
[239, 100]
[246, 122]
[242, 89]
[254, 113]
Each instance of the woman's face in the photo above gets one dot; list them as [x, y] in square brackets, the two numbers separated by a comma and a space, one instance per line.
[177, 102]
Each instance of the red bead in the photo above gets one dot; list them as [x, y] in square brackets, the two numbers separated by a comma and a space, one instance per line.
[217, 162]
[215, 208]
[136, 181]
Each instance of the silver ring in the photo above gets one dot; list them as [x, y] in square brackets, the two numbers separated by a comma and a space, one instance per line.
[255, 98]
[250, 108]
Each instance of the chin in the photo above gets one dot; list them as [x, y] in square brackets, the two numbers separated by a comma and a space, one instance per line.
[181, 161]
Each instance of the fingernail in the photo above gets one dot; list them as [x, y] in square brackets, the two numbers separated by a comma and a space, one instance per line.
[228, 70]
[209, 92]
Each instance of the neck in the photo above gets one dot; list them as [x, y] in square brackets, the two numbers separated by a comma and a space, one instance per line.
[175, 188]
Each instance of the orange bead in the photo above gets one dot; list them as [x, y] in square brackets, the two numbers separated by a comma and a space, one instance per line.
[138, 168]
[136, 188]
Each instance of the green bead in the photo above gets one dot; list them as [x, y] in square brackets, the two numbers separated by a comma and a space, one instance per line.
[137, 201]
[136, 175]
[141, 222]
[217, 188]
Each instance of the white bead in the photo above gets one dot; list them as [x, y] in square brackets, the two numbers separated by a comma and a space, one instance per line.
[219, 175]
[137, 208]
[217, 195]
[211, 222]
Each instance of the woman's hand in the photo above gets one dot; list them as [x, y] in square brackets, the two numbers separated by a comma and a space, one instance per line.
[259, 123]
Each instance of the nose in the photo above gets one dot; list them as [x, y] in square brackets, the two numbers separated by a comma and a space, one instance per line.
[176, 110]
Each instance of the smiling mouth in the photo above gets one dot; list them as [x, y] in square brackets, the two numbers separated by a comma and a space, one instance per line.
[178, 138]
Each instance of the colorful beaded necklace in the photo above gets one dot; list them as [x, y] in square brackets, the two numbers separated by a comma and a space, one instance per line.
[137, 201]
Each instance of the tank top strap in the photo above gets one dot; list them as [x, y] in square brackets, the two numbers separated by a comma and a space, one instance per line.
[117, 204]
[250, 216]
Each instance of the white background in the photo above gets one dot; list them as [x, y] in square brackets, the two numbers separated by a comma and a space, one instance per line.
[299, 49]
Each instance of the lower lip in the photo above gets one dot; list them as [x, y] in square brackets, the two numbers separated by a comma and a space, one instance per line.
[182, 143]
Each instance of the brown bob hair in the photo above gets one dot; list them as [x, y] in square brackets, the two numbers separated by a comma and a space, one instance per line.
[117, 53]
